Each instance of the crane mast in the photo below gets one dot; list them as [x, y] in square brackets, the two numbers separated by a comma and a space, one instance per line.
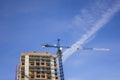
[59, 54]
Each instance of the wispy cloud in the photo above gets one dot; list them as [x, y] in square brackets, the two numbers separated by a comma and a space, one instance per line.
[93, 24]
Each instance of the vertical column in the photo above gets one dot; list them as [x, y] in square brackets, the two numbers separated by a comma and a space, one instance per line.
[60, 65]
[52, 68]
[61, 69]
[26, 67]
[19, 71]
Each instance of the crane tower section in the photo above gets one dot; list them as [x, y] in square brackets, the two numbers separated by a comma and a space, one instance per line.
[59, 54]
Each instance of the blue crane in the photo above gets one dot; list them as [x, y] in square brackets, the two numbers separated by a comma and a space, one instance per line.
[59, 54]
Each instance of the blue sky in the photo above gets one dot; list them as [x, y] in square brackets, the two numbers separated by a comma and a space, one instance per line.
[26, 24]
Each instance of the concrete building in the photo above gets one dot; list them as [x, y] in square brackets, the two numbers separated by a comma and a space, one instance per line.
[37, 66]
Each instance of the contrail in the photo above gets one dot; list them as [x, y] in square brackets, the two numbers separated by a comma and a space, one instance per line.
[110, 12]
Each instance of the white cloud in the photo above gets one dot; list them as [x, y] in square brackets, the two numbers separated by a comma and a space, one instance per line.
[99, 23]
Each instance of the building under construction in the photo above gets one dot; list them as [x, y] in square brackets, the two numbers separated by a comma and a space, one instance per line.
[37, 66]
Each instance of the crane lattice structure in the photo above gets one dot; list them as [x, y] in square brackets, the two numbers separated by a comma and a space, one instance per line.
[59, 54]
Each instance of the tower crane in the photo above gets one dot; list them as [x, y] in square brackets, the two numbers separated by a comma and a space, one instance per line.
[59, 54]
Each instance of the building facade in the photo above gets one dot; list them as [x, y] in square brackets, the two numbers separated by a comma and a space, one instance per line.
[37, 66]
